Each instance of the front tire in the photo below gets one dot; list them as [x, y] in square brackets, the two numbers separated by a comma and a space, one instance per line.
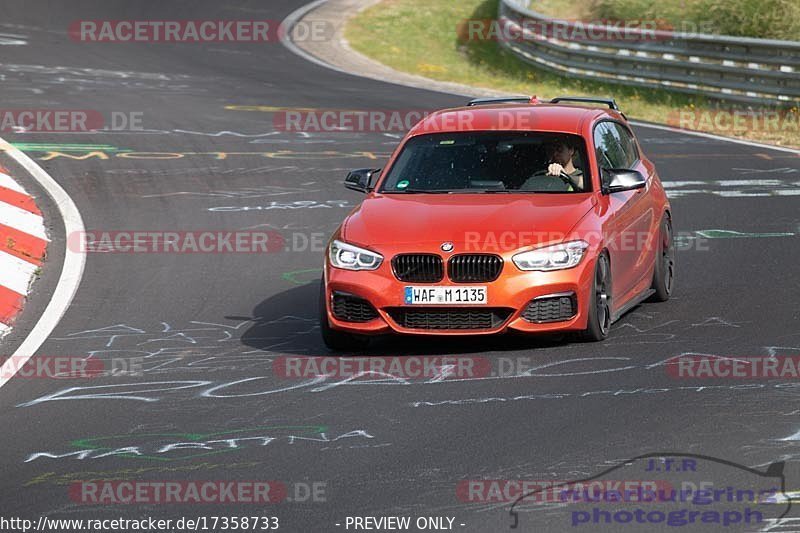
[599, 320]
[338, 341]
[664, 271]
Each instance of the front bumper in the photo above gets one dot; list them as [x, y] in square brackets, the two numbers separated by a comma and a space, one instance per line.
[510, 294]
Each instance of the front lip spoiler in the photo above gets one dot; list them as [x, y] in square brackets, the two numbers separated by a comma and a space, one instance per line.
[500, 328]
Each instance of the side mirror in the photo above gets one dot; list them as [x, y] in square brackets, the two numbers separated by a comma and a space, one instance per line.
[622, 179]
[361, 179]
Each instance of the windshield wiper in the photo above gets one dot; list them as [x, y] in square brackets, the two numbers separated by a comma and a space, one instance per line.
[419, 191]
[452, 191]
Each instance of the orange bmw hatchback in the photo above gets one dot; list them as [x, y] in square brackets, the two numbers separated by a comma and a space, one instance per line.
[505, 214]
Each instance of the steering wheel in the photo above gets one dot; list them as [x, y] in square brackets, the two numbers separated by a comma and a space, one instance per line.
[566, 178]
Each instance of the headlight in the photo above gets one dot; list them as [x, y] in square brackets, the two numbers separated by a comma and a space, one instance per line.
[347, 256]
[556, 257]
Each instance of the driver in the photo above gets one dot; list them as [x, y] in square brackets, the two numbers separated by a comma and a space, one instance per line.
[560, 154]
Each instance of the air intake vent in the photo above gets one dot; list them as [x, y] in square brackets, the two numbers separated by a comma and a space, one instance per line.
[554, 308]
[449, 318]
[349, 308]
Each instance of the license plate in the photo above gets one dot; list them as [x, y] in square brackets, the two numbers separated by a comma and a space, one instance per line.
[445, 295]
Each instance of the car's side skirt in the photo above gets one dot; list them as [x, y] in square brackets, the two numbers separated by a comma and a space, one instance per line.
[633, 302]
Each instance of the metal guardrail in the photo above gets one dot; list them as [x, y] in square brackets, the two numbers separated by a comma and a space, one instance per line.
[739, 69]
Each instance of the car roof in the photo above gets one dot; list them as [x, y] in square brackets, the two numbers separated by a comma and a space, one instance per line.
[561, 118]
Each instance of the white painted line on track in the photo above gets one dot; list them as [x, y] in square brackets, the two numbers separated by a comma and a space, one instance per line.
[71, 272]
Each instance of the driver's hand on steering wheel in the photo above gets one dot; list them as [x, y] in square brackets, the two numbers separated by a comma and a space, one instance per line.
[555, 169]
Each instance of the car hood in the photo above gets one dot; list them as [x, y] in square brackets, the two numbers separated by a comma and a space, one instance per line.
[438, 218]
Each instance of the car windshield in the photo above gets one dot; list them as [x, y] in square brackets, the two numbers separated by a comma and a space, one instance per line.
[490, 162]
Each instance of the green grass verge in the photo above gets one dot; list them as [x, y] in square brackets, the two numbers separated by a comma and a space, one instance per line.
[420, 37]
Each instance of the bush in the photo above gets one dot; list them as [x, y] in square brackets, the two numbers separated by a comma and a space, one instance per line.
[765, 19]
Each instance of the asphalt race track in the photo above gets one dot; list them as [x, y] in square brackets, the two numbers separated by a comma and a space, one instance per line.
[207, 327]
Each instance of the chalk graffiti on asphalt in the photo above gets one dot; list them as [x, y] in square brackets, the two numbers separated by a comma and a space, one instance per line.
[259, 386]
[300, 204]
[193, 333]
[52, 152]
[244, 193]
[197, 347]
[55, 478]
[169, 447]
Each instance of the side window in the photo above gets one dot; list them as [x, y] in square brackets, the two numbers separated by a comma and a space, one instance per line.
[628, 145]
[608, 147]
